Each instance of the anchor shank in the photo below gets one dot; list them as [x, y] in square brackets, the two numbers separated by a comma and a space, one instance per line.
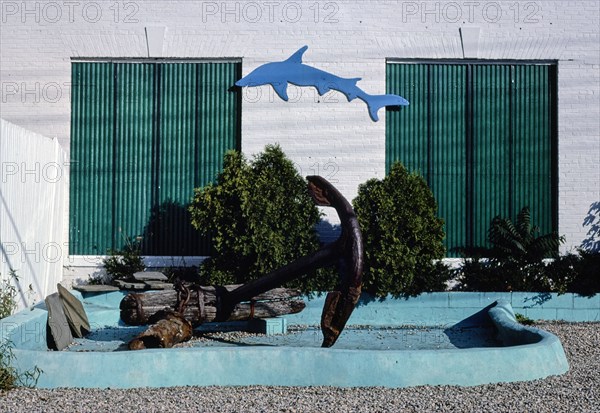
[347, 251]
[320, 258]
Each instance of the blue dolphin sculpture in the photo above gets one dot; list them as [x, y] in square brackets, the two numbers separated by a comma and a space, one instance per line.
[292, 70]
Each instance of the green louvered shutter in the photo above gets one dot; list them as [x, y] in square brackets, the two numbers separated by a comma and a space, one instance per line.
[447, 154]
[490, 148]
[534, 166]
[92, 158]
[133, 150]
[483, 136]
[143, 136]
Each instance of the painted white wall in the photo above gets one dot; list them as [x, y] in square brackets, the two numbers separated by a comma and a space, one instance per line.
[350, 38]
[32, 202]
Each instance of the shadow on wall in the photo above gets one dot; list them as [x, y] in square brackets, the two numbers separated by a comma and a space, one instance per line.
[169, 232]
[592, 241]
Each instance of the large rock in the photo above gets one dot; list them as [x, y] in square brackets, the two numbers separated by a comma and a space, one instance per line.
[75, 313]
[58, 332]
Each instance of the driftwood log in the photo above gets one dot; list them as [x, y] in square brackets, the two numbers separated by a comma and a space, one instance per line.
[202, 304]
[169, 328]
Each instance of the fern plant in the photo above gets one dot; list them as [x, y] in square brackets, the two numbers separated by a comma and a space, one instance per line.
[519, 241]
[516, 260]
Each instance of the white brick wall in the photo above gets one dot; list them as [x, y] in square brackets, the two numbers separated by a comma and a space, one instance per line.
[348, 38]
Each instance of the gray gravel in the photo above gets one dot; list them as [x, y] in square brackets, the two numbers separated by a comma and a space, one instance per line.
[576, 391]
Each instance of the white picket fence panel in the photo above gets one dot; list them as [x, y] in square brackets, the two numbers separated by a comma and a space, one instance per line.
[33, 201]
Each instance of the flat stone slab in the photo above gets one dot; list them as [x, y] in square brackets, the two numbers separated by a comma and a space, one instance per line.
[59, 331]
[76, 316]
[159, 285]
[150, 276]
[131, 285]
[89, 288]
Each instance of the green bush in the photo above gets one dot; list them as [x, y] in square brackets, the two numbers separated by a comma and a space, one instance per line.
[587, 270]
[494, 274]
[11, 377]
[518, 261]
[180, 272]
[8, 295]
[122, 264]
[519, 242]
[571, 273]
[402, 235]
[260, 217]
[576, 273]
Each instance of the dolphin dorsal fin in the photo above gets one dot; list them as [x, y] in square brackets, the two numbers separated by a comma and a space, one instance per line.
[297, 56]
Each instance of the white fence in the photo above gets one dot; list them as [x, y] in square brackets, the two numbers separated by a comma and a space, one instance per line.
[33, 196]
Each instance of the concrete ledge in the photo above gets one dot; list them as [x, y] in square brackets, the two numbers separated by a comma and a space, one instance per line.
[285, 367]
[443, 308]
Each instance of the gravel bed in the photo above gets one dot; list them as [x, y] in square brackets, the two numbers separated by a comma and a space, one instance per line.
[575, 391]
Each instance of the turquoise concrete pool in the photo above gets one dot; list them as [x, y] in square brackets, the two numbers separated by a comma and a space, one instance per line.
[391, 343]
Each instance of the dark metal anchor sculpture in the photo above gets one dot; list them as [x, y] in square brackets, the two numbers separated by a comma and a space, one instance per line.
[347, 252]
[222, 303]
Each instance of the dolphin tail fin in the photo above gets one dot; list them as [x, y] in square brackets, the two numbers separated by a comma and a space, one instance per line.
[376, 102]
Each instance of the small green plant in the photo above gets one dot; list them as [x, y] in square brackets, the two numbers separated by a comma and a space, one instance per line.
[9, 376]
[122, 264]
[523, 319]
[403, 237]
[8, 295]
[260, 217]
[182, 273]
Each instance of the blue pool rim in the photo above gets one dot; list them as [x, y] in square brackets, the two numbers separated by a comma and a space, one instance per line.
[531, 353]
